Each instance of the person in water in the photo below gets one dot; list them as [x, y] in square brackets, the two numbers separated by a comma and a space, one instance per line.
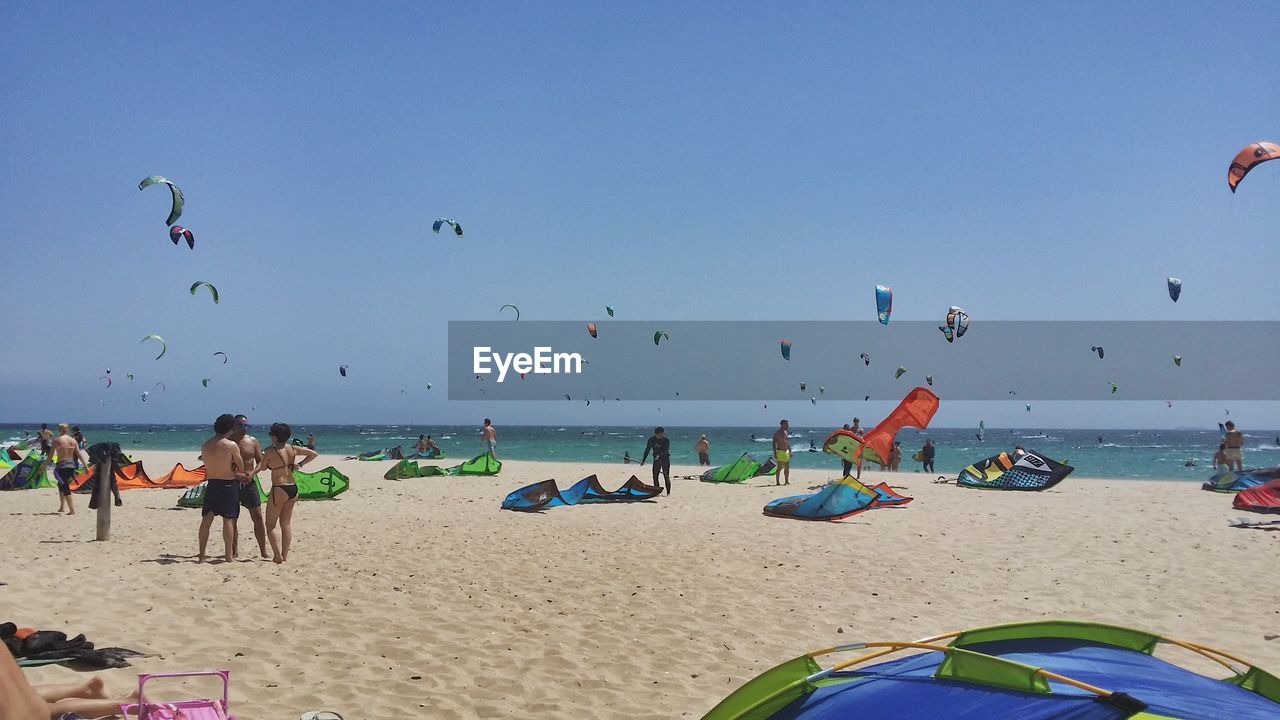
[782, 453]
[311, 441]
[660, 445]
[703, 448]
[282, 459]
[626, 457]
[1234, 440]
[66, 455]
[250, 492]
[224, 473]
[489, 435]
[927, 453]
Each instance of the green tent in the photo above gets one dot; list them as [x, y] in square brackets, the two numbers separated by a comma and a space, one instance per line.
[740, 470]
[406, 469]
[485, 464]
[320, 485]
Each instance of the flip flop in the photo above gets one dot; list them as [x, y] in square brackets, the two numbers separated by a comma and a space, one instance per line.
[320, 715]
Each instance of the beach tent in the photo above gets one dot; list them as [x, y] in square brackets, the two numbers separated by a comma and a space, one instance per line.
[1264, 498]
[27, 475]
[837, 500]
[1029, 471]
[406, 469]
[740, 470]
[128, 477]
[1037, 670]
[485, 464]
[546, 494]
[319, 485]
[915, 410]
[180, 477]
[1237, 481]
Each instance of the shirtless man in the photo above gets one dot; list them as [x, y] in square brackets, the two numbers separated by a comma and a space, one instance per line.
[1234, 440]
[66, 455]
[490, 437]
[251, 454]
[782, 453]
[46, 439]
[224, 473]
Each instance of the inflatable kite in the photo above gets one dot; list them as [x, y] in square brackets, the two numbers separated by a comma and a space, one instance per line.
[175, 211]
[177, 234]
[1098, 349]
[1114, 387]
[740, 470]
[513, 307]
[836, 501]
[661, 335]
[928, 379]
[205, 382]
[1034, 670]
[1175, 288]
[144, 396]
[957, 324]
[884, 303]
[1264, 498]
[609, 309]
[866, 359]
[1249, 158]
[1237, 481]
[1177, 360]
[786, 349]
[161, 386]
[546, 494]
[915, 410]
[342, 370]
[1029, 471]
[899, 372]
[212, 290]
[224, 356]
[591, 328]
[164, 347]
[107, 378]
[457, 229]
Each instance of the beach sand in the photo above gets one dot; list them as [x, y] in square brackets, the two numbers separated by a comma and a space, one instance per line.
[421, 598]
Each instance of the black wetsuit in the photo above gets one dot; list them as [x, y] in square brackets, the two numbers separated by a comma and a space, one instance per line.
[661, 448]
[927, 453]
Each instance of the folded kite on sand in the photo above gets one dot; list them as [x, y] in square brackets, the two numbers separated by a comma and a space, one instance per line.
[837, 500]
[1036, 670]
[323, 484]
[1029, 471]
[29, 474]
[1264, 498]
[740, 470]
[546, 494]
[1237, 481]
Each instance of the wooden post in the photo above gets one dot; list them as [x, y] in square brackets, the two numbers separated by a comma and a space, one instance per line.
[106, 473]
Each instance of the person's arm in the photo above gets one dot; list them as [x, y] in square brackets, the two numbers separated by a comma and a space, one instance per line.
[308, 455]
[647, 447]
[18, 700]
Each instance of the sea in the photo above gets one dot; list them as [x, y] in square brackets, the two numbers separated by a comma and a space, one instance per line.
[1137, 454]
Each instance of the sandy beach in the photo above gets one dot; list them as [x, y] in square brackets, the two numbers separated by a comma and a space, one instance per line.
[420, 598]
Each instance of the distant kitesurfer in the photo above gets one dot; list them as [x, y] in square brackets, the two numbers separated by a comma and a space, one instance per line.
[782, 453]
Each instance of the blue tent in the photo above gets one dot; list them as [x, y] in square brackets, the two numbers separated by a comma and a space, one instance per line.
[546, 494]
[1237, 481]
[1038, 670]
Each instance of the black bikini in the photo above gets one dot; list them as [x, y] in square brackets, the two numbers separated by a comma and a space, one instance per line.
[290, 490]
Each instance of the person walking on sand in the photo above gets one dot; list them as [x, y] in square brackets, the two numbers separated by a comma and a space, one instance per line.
[282, 459]
[927, 454]
[895, 456]
[489, 435]
[703, 448]
[1234, 440]
[224, 473]
[250, 493]
[782, 453]
[660, 445]
[66, 455]
[46, 439]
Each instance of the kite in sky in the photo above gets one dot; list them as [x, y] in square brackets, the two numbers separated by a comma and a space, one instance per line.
[457, 229]
[175, 211]
[1249, 158]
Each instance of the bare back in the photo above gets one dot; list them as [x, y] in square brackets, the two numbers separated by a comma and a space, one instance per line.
[222, 459]
[1234, 439]
[66, 451]
[488, 433]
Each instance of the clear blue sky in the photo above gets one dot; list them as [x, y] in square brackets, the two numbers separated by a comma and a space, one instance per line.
[718, 161]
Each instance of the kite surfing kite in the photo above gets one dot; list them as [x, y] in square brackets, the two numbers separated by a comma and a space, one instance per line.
[205, 382]
[163, 346]
[130, 375]
[457, 229]
[1175, 288]
[161, 386]
[513, 307]
[884, 303]
[107, 378]
[428, 386]
[982, 431]
[609, 309]
[176, 210]
[813, 400]
[836, 501]
[177, 234]
[957, 324]
[802, 384]
[342, 370]
[546, 494]
[899, 372]
[1177, 360]
[224, 356]
[144, 396]
[786, 349]
[1098, 349]
[212, 290]
[591, 328]
[915, 410]
[1248, 158]
[866, 359]
[821, 389]
[928, 380]
[1113, 388]
[661, 335]
[1028, 407]
[1028, 471]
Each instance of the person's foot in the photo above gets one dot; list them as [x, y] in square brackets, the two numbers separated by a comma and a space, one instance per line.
[94, 687]
[71, 512]
[200, 559]
[119, 502]
[277, 559]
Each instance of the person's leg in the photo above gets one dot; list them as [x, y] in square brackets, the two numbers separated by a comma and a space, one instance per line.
[275, 504]
[259, 529]
[286, 528]
[666, 473]
[788, 469]
[115, 490]
[92, 687]
[229, 537]
[205, 523]
[18, 700]
[90, 707]
[655, 468]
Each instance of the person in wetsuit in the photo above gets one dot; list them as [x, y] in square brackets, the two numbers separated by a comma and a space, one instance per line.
[660, 445]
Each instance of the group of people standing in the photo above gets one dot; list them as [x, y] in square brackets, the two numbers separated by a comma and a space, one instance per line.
[232, 458]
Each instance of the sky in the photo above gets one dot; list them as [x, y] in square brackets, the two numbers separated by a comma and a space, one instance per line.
[678, 161]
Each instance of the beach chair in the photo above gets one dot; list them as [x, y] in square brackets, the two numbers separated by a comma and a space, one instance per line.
[198, 709]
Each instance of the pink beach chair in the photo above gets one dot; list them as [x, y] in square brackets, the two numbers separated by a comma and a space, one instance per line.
[198, 709]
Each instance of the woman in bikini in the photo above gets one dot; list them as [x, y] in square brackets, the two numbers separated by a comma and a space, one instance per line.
[282, 459]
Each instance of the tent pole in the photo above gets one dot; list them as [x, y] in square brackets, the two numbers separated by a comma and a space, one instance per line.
[106, 472]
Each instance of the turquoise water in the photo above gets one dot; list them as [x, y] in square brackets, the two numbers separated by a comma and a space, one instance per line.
[1120, 454]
